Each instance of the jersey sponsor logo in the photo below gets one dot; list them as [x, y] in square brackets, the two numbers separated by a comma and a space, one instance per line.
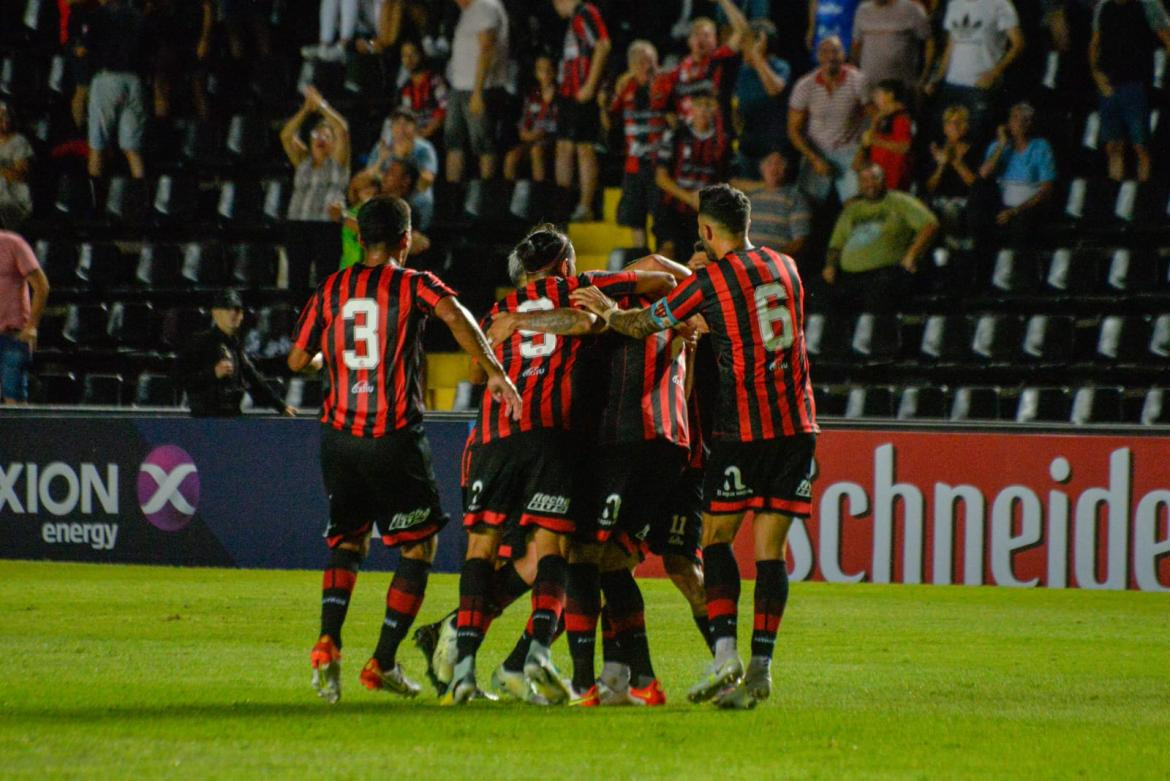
[406, 520]
[677, 380]
[548, 503]
[361, 387]
[533, 371]
[733, 483]
[168, 488]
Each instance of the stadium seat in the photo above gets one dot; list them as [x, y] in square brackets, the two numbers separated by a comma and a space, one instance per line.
[180, 323]
[830, 400]
[1092, 404]
[125, 201]
[22, 77]
[876, 337]
[922, 401]
[248, 137]
[827, 337]
[1048, 339]
[944, 338]
[176, 198]
[1014, 273]
[272, 335]
[1044, 404]
[102, 265]
[49, 332]
[304, 393]
[160, 266]
[252, 265]
[241, 202]
[995, 337]
[1156, 407]
[58, 259]
[1160, 338]
[200, 143]
[202, 264]
[1121, 339]
[464, 397]
[520, 205]
[85, 325]
[132, 324]
[975, 403]
[276, 196]
[102, 389]
[74, 197]
[873, 401]
[154, 390]
[57, 388]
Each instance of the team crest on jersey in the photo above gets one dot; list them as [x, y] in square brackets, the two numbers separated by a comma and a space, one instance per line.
[549, 503]
[733, 483]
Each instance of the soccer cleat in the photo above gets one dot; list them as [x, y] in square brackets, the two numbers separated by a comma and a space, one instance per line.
[608, 696]
[437, 643]
[590, 698]
[325, 659]
[543, 676]
[394, 680]
[755, 687]
[463, 687]
[650, 694]
[513, 685]
[719, 676]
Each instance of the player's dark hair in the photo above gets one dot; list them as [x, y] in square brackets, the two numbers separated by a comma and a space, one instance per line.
[543, 247]
[727, 206]
[383, 220]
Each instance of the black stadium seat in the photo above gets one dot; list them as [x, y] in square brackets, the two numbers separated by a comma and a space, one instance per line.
[241, 202]
[304, 393]
[1044, 404]
[870, 401]
[202, 264]
[132, 325]
[1048, 339]
[995, 337]
[975, 403]
[1156, 407]
[252, 265]
[179, 324]
[248, 137]
[160, 266]
[102, 389]
[830, 400]
[57, 388]
[154, 390]
[85, 325]
[922, 401]
[126, 201]
[945, 338]
[1095, 404]
[175, 198]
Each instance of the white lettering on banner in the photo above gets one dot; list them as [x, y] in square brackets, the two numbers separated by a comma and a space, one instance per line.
[167, 490]
[60, 488]
[99, 536]
[1001, 525]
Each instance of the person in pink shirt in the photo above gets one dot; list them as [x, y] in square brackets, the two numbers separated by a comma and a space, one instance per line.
[20, 314]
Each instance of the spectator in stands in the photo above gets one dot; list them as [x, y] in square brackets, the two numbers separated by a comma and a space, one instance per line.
[77, 56]
[20, 314]
[983, 39]
[116, 101]
[586, 48]
[322, 173]
[757, 95]
[242, 18]
[825, 118]
[709, 69]
[692, 156]
[892, 40]
[956, 171]
[424, 93]
[891, 131]
[214, 370]
[477, 73]
[400, 180]
[364, 186]
[180, 36]
[16, 155]
[876, 243]
[1120, 55]
[400, 141]
[1025, 169]
[338, 25]
[781, 217]
[829, 19]
[538, 126]
[641, 107]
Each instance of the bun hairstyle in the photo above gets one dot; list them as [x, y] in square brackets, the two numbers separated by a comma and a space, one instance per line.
[543, 247]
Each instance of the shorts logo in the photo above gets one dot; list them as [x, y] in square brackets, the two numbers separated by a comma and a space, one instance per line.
[547, 503]
[474, 494]
[168, 488]
[733, 483]
[613, 508]
[804, 490]
[406, 520]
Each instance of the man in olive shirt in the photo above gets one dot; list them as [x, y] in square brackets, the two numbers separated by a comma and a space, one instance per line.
[214, 370]
[877, 240]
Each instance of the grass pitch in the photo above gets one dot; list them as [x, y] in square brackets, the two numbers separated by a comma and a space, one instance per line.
[135, 672]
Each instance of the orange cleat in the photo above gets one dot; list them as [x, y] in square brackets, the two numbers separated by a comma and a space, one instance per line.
[588, 699]
[650, 694]
[325, 659]
[394, 680]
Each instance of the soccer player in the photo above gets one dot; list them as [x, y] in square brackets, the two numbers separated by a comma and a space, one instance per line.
[764, 433]
[523, 472]
[639, 454]
[367, 322]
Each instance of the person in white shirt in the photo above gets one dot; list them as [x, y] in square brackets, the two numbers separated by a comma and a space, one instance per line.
[477, 73]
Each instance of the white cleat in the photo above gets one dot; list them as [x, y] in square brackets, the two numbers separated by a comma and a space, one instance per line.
[513, 685]
[327, 682]
[543, 676]
[755, 687]
[719, 676]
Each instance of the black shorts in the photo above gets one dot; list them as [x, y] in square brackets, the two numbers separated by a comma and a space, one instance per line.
[639, 197]
[681, 536]
[635, 486]
[522, 480]
[385, 483]
[773, 475]
[682, 230]
[578, 122]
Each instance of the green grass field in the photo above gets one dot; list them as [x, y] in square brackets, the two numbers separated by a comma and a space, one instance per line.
[137, 672]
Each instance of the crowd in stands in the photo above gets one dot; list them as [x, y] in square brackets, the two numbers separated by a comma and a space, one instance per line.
[877, 140]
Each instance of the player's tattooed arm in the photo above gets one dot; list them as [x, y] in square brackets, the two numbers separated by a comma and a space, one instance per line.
[473, 341]
[565, 322]
[635, 323]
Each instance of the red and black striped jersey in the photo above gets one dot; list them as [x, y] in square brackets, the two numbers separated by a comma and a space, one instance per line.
[539, 114]
[367, 321]
[693, 161]
[542, 366]
[426, 95]
[713, 76]
[646, 397]
[643, 122]
[753, 301]
[586, 28]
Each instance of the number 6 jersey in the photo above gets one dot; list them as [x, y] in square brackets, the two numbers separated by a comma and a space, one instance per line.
[367, 321]
[542, 365]
[753, 302]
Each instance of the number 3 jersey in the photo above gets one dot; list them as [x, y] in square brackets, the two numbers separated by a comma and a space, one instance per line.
[542, 365]
[368, 321]
[753, 302]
